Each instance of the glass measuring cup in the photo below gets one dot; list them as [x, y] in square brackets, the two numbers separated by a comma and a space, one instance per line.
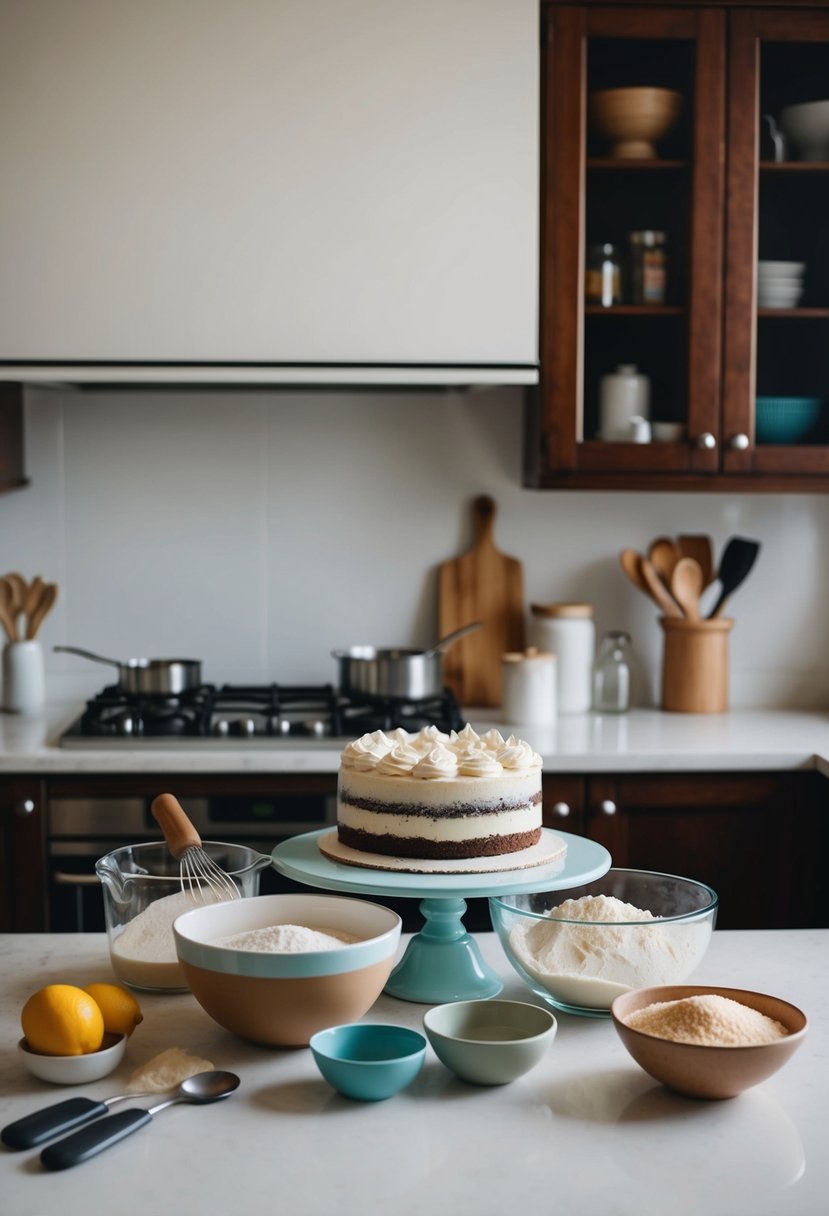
[143, 895]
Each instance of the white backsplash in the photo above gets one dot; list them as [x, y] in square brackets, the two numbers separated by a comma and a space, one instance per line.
[256, 532]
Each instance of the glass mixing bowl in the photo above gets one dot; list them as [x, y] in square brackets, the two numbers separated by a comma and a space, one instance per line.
[143, 895]
[578, 960]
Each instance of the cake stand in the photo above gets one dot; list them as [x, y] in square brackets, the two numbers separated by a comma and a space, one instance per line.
[442, 962]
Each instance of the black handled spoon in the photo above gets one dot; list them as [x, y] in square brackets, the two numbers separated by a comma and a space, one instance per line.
[737, 559]
[89, 1141]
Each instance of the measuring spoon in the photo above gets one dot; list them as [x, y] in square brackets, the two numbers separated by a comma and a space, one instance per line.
[89, 1141]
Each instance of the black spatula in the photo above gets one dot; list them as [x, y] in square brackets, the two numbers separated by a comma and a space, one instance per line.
[737, 559]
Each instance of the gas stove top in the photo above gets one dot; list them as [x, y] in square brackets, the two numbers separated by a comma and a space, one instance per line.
[247, 716]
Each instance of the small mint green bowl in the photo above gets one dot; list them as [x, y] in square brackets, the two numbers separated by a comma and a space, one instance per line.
[368, 1061]
[490, 1042]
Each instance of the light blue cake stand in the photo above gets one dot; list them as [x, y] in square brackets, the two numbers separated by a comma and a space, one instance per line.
[442, 962]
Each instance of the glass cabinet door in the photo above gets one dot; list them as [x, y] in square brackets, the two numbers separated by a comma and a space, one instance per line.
[633, 178]
[776, 388]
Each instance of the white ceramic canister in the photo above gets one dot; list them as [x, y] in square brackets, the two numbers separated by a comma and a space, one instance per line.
[568, 631]
[529, 687]
[23, 677]
[623, 395]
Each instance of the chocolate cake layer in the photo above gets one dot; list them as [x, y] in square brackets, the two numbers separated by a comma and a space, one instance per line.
[413, 846]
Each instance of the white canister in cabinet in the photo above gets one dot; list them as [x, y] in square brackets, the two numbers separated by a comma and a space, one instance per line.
[623, 395]
[568, 631]
[529, 687]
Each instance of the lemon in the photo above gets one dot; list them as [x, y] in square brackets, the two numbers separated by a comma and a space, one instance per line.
[120, 1009]
[62, 1020]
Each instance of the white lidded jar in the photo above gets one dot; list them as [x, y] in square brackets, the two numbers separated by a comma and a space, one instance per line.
[624, 395]
[529, 687]
[568, 631]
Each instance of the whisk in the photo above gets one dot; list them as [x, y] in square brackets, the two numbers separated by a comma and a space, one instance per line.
[198, 872]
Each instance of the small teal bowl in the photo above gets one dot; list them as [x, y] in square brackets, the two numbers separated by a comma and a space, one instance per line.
[368, 1061]
[785, 419]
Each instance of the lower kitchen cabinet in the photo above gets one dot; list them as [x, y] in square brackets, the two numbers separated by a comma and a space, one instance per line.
[22, 856]
[756, 838]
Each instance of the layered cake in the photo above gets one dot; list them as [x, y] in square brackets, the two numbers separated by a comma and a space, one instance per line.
[437, 796]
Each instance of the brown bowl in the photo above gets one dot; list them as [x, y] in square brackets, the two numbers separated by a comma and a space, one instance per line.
[633, 119]
[708, 1072]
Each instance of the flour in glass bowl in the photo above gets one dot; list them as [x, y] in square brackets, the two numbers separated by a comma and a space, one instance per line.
[287, 939]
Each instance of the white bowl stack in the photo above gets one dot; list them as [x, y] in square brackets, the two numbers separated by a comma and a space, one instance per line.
[779, 284]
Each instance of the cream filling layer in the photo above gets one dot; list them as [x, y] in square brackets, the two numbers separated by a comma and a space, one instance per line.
[514, 789]
[471, 827]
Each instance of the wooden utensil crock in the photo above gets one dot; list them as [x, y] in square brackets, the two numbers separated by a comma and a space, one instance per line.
[695, 665]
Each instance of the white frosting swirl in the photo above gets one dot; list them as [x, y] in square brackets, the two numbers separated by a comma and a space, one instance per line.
[363, 753]
[468, 735]
[398, 735]
[493, 739]
[478, 763]
[516, 754]
[399, 762]
[438, 762]
[432, 735]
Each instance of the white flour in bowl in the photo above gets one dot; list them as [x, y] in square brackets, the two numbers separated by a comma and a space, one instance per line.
[588, 965]
[287, 939]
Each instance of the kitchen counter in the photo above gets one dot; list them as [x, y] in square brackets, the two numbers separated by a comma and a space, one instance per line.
[586, 1132]
[644, 740]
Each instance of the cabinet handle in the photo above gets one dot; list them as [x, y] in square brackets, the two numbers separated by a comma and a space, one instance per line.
[24, 807]
[706, 441]
[561, 810]
[608, 807]
[740, 442]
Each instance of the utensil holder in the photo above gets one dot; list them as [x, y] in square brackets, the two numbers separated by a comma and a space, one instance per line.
[695, 665]
[24, 690]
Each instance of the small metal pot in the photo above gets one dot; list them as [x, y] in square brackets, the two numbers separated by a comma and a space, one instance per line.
[406, 675]
[148, 677]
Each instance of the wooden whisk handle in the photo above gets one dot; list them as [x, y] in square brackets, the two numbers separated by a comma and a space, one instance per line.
[171, 817]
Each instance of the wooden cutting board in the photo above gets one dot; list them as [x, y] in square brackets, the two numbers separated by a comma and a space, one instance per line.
[481, 585]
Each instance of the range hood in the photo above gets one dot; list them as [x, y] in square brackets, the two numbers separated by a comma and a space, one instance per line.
[265, 375]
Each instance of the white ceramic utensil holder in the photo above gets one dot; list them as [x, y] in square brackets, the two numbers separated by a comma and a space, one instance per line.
[24, 684]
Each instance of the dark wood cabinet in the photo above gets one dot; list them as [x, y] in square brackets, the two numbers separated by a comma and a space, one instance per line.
[711, 348]
[12, 475]
[22, 856]
[757, 839]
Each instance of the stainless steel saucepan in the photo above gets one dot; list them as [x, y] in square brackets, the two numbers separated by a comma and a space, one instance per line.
[406, 675]
[149, 677]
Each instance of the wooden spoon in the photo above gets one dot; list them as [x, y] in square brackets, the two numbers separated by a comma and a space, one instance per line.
[7, 616]
[658, 591]
[629, 559]
[33, 595]
[42, 609]
[663, 555]
[701, 549]
[687, 586]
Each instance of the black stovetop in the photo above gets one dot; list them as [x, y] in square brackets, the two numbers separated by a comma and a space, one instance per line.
[248, 714]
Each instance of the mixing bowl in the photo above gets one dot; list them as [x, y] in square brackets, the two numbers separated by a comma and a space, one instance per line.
[565, 947]
[366, 1061]
[142, 897]
[708, 1072]
[634, 118]
[785, 419]
[282, 999]
[489, 1042]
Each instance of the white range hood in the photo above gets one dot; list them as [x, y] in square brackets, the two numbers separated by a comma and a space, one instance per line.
[269, 192]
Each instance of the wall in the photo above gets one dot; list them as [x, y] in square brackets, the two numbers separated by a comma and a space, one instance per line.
[256, 532]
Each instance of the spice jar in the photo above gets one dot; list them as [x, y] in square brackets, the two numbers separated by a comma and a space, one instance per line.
[567, 630]
[602, 276]
[611, 675]
[648, 267]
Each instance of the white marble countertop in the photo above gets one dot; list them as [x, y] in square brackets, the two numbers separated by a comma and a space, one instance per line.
[586, 1133]
[640, 741]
